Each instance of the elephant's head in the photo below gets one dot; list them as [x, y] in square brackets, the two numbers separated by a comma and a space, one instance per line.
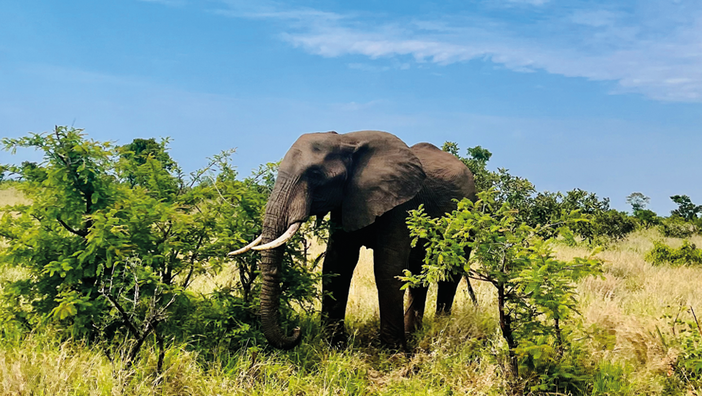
[360, 174]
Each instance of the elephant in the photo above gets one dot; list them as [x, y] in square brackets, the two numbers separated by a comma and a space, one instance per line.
[367, 181]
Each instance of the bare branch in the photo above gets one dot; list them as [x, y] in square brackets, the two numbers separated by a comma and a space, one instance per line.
[214, 184]
[123, 313]
[81, 233]
[696, 321]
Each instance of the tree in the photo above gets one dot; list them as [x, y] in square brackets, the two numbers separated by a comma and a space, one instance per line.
[686, 209]
[536, 294]
[112, 240]
[508, 188]
[476, 161]
[638, 201]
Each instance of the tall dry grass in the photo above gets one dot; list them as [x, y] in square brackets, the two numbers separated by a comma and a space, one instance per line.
[634, 307]
[10, 196]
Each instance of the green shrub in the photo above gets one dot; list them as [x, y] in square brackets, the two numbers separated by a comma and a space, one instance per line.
[676, 227]
[686, 370]
[536, 295]
[646, 218]
[697, 225]
[687, 254]
[113, 238]
[600, 223]
[613, 224]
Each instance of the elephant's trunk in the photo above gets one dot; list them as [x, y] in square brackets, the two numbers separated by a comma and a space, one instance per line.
[279, 213]
[270, 301]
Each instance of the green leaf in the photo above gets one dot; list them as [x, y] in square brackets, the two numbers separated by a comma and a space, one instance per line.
[64, 310]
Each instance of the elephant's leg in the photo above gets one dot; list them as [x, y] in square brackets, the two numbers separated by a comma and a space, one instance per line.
[339, 263]
[417, 295]
[445, 295]
[388, 265]
[447, 291]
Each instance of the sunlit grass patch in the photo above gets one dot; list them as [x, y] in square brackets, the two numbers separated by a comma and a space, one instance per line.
[626, 337]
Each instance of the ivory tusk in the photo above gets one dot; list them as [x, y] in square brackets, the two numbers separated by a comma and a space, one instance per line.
[281, 240]
[247, 247]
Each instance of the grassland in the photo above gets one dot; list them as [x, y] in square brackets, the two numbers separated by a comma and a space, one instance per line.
[626, 331]
[10, 196]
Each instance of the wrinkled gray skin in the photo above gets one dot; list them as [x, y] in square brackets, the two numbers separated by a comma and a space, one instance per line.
[368, 180]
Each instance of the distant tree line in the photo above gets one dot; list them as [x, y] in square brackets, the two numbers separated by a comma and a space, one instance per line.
[603, 223]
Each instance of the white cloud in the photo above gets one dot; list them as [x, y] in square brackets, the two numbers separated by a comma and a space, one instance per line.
[654, 50]
[337, 42]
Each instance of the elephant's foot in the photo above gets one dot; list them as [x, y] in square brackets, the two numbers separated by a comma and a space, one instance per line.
[415, 308]
[337, 336]
[394, 346]
[394, 342]
[413, 321]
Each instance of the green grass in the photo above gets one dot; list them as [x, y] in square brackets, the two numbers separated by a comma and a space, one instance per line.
[39, 365]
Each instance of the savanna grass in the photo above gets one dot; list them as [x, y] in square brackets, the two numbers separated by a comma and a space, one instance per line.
[626, 339]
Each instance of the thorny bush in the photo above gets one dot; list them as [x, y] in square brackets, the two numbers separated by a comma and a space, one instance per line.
[113, 238]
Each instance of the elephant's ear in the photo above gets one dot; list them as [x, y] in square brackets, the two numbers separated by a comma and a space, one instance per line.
[384, 174]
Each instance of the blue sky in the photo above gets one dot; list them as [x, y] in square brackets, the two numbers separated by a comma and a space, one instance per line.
[601, 95]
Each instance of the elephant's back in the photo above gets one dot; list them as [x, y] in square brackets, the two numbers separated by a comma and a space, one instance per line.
[447, 179]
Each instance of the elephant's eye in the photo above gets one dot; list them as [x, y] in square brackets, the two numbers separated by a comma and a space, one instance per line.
[315, 173]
